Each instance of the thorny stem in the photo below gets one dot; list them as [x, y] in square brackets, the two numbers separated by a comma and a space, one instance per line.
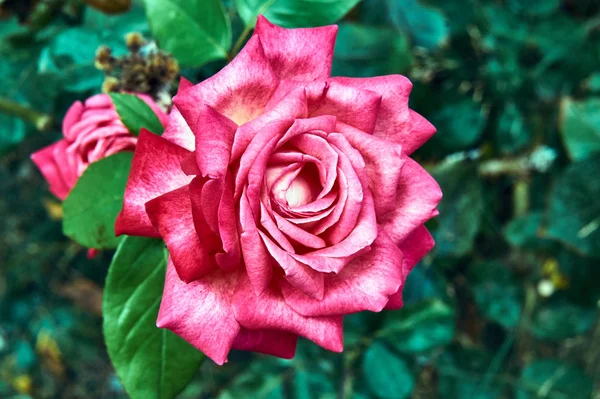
[41, 121]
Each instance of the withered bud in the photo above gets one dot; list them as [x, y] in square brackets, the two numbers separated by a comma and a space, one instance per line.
[110, 84]
[110, 6]
[172, 68]
[134, 41]
[104, 60]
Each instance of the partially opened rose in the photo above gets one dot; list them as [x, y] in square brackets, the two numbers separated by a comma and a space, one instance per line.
[92, 131]
[287, 198]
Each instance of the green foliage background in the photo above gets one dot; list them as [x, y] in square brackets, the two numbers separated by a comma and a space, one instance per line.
[506, 305]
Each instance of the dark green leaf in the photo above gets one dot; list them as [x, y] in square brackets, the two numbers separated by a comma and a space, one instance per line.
[552, 379]
[425, 25]
[465, 374]
[194, 31]
[580, 127]
[295, 13]
[497, 293]
[512, 131]
[386, 373]
[461, 209]
[562, 320]
[151, 362]
[420, 327]
[461, 120]
[364, 51]
[524, 231]
[92, 207]
[135, 113]
[574, 217]
[12, 131]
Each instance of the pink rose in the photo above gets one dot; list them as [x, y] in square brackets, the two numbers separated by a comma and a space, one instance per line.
[286, 198]
[91, 131]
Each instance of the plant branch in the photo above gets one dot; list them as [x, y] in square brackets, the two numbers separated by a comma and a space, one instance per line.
[240, 42]
[41, 121]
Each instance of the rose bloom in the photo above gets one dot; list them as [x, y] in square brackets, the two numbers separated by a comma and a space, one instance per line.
[286, 198]
[92, 131]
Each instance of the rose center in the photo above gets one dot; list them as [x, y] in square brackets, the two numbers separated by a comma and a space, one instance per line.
[305, 188]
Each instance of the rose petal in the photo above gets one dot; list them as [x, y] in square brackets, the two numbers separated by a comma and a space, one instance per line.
[201, 311]
[214, 138]
[47, 164]
[298, 274]
[417, 197]
[259, 264]
[269, 311]
[414, 248]
[395, 121]
[239, 91]
[155, 170]
[171, 214]
[298, 54]
[364, 284]
[276, 343]
[72, 116]
[178, 131]
[291, 107]
[383, 160]
[355, 106]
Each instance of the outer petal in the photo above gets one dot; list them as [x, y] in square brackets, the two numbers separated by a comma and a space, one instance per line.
[277, 343]
[418, 195]
[200, 312]
[239, 91]
[395, 121]
[171, 214]
[44, 160]
[364, 284]
[415, 247]
[214, 138]
[177, 130]
[155, 170]
[354, 106]
[259, 264]
[72, 116]
[298, 54]
[384, 163]
[269, 311]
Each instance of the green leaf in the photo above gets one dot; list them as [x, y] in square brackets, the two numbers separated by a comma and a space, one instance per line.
[425, 25]
[364, 51]
[387, 374]
[562, 320]
[523, 231]
[151, 362]
[461, 120]
[574, 217]
[552, 379]
[194, 31]
[295, 13]
[12, 132]
[90, 210]
[461, 209]
[497, 293]
[465, 373]
[135, 113]
[420, 327]
[512, 131]
[580, 127]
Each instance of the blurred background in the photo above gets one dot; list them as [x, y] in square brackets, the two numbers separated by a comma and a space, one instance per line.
[505, 306]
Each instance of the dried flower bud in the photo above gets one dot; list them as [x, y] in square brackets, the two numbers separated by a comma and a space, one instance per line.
[104, 60]
[110, 6]
[134, 41]
[110, 84]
